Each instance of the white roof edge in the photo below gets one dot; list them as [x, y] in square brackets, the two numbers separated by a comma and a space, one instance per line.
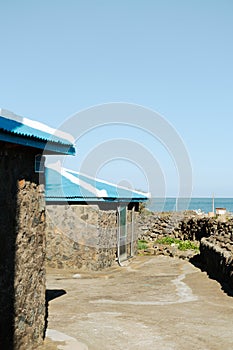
[145, 194]
[36, 125]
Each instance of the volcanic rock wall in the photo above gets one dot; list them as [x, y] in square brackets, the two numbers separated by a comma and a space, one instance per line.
[80, 237]
[214, 234]
[22, 237]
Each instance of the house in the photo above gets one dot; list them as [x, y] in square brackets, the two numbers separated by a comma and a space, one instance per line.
[90, 223]
[23, 144]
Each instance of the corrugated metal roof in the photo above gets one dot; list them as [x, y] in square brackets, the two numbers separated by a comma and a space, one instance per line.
[67, 185]
[31, 133]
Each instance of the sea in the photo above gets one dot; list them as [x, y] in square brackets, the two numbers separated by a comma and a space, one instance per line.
[204, 205]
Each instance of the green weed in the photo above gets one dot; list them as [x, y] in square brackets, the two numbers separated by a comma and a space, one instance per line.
[142, 244]
[181, 245]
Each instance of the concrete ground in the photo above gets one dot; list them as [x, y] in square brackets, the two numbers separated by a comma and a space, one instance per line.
[153, 303]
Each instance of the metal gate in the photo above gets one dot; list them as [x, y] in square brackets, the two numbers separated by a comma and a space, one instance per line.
[122, 234]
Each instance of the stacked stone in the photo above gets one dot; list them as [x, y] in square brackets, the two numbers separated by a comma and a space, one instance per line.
[22, 236]
[30, 268]
[154, 226]
[217, 253]
[80, 237]
[107, 238]
[214, 234]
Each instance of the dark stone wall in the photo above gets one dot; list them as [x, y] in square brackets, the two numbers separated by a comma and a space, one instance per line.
[80, 237]
[217, 253]
[84, 236]
[22, 237]
[182, 225]
[215, 236]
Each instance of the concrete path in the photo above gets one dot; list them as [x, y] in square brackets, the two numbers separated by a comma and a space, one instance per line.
[153, 303]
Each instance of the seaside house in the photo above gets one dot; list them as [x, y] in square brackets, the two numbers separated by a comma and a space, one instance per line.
[23, 143]
[90, 223]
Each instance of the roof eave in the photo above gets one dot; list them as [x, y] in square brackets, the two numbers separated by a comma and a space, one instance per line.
[47, 146]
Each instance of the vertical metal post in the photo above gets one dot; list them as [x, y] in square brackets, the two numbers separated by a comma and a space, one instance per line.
[122, 234]
[132, 232]
[118, 235]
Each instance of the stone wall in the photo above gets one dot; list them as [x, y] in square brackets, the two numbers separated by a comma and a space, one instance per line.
[80, 237]
[185, 226]
[132, 232]
[214, 234]
[22, 271]
[84, 236]
[217, 253]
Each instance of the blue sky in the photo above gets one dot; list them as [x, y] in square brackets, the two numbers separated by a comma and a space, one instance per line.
[172, 56]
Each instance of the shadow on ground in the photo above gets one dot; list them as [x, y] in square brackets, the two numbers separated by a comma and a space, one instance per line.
[51, 294]
[198, 261]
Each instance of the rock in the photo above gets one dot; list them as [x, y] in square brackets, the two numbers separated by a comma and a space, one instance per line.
[216, 239]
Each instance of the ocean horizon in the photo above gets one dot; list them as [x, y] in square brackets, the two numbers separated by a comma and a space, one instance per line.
[198, 204]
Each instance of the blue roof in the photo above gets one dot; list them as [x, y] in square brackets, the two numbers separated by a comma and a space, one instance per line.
[67, 185]
[26, 132]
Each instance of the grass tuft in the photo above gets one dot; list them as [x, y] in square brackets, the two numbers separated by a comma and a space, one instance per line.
[142, 244]
[181, 245]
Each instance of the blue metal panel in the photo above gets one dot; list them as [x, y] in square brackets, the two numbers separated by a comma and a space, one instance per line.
[113, 191]
[59, 187]
[37, 143]
[19, 133]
